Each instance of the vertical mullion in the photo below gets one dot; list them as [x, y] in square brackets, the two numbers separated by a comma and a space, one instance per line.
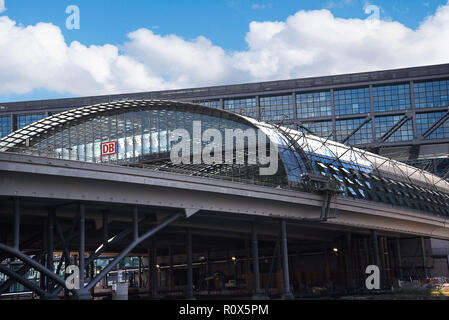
[334, 126]
[371, 101]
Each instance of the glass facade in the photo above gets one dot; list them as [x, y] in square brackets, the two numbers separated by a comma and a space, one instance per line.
[383, 124]
[321, 129]
[346, 127]
[425, 120]
[143, 137]
[25, 119]
[352, 101]
[389, 98]
[312, 105]
[5, 126]
[209, 103]
[431, 94]
[277, 108]
[246, 107]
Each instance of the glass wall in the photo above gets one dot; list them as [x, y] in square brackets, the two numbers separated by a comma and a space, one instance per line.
[5, 126]
[321, 129]
[209, 103]
[142, 137]
[352, 101]
[345, 127]
[246, 107]
[25, 119]
[277, 108]
[431, 94]
[425, 120]
[311, 105]
[389, 98]
[383, 124]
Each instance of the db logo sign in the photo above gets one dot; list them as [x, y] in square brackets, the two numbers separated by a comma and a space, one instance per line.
[108, 148]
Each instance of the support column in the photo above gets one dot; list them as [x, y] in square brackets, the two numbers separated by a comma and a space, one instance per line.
[383, 274]
[154, 284]
[387, 261]
[82, 248]
[91, 276]
[255, 253]
[374, 240]
[398, 250]
[171, 279]
[189, 291]
[139, 281]
[135, 222]
[349, 268]
[209, 262]
[43, 277]
[287, 291]
[16, 223]
[424, 258]
[149, 284]
[376, 257]
[367, 255]
[50, 241]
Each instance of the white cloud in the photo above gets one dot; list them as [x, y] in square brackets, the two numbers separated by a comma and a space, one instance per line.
[308, 43]
[2, 6]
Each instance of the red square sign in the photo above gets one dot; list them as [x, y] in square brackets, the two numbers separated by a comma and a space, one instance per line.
[108, 148]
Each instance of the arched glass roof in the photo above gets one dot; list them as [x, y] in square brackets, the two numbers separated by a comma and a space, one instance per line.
[141, 129]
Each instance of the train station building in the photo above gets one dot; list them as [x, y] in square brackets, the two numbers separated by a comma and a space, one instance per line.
[361, 179]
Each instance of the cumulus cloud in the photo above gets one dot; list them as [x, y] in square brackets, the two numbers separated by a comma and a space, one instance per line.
[308, 43]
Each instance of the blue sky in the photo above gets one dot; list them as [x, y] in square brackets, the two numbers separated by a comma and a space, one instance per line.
[224, 24]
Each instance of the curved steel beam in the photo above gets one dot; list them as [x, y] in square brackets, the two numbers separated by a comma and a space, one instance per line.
[113, 263]
[14, 276]
[6, 285]
[29, 261]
